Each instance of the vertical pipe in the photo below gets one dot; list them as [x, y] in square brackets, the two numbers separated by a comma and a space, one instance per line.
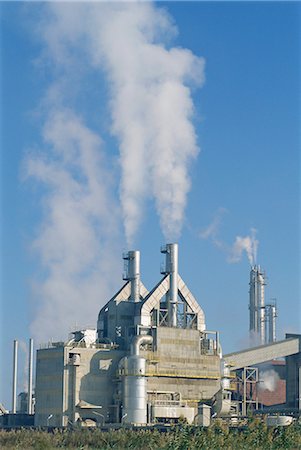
[244, 404]
[261, 315]
[258, 289]
[172, 269]
[74, 396]
[267, 324]
[256, 303]
[30, 364]
[253, 301]
[135, 276]
[271, 311]
[273, 323]
[299, 387]
[133, 273]
[15, 371]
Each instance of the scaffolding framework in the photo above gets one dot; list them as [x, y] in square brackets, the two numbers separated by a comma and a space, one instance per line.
[246, 394]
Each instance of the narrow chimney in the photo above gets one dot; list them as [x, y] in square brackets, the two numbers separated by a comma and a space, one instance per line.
[256, 304]
[15, 377]
[132, 259]
[171, 267]
[271, 314]
[30, 364]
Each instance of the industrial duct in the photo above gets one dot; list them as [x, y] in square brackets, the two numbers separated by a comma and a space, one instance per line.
[171, 268]
[138, 341]
[132, 273]
[134, 384]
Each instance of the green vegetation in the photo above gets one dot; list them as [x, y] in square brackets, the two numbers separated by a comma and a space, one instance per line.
[184, 437]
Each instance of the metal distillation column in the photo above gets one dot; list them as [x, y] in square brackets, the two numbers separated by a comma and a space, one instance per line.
[261, 315]
[253, 301]
[271, 314]
[256, 306]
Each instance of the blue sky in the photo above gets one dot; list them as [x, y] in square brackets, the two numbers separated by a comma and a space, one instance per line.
[246, 176]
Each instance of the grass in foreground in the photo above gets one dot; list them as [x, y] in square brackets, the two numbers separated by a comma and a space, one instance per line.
[216, 437]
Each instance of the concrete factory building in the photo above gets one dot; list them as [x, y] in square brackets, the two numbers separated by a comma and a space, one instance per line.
[152, 360]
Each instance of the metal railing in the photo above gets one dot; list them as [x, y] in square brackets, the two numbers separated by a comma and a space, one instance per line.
[80, 344]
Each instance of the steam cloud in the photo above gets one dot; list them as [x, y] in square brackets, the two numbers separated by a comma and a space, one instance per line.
[212, 231]
[268, 380]
[151, 103]
[151, 108]
[247, 244]
[76, 239]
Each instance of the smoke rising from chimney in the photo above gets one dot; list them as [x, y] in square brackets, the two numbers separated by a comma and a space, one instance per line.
[268, 380]
[150, 99]
[150, 108]
[76, 240]
[248, 244]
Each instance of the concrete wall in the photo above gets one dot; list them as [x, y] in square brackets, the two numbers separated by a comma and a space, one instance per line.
[118, 322]
[74, 382]
[177, 365]
[61, 384]
[93, 381]
[293, 375]
[49, 386]
[293, 381]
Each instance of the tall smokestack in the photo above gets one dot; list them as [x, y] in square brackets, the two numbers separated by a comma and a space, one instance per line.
[256, 305]
[132, 273]
[15, 377]
[271, 314]
[171, 267]
[30, 364]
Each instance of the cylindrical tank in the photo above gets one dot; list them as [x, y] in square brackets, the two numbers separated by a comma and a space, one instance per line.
[134, 391]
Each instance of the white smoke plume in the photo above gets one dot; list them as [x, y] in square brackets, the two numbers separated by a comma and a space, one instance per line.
[76, 240]
[248, 244]
[212, 230]
[150, 109]
[151, 103]
[268, 380]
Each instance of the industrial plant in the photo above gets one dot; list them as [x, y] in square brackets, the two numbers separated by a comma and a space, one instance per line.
[151, 360]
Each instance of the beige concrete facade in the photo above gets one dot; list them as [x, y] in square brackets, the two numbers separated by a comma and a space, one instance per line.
[177, 365]
[76, 383]
[69, 388]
